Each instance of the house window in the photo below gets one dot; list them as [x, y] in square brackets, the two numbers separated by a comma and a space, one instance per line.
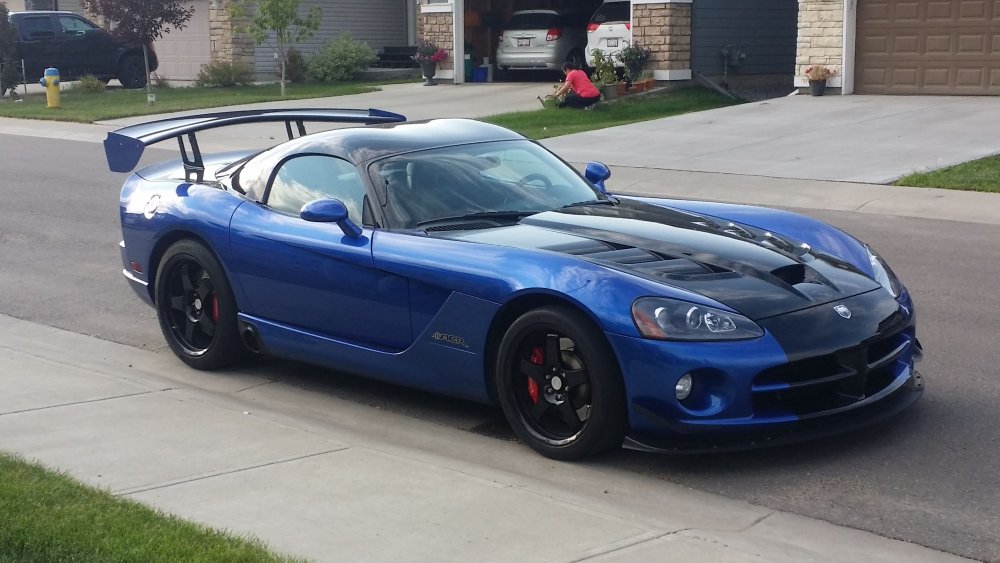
[41, 4]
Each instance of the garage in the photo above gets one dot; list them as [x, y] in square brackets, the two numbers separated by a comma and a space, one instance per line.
[928, 47]
[182, 51]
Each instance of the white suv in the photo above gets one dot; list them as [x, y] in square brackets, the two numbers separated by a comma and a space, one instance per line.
[610, 29]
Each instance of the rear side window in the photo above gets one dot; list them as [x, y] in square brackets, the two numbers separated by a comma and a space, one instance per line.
[612, 12]
[542, 20]
[34, 27]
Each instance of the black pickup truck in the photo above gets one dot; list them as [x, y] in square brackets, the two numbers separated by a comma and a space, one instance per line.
[76, 47]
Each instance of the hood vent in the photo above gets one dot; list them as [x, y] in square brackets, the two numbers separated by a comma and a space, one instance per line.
[641, 261]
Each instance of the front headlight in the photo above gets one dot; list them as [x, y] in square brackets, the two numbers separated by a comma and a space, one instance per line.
[670, 319]
[883, 273]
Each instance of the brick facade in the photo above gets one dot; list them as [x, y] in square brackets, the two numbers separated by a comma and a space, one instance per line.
[821, 35]
[437, 27]
[666, 30]
[228, 44]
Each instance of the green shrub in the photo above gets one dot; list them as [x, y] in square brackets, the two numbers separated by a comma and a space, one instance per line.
[224, 75]
[295, 67]
[10, 70]
[341, 59]
[161, 82]
[89, 84]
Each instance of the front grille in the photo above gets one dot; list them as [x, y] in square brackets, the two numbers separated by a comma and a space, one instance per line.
[830, 382]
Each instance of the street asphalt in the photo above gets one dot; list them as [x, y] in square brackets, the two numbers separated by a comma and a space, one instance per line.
[317, 476]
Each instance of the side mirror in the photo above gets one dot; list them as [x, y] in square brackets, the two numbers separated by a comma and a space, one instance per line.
[330, 211]
[597, 173]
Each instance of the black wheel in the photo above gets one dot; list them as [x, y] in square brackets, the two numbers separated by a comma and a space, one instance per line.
[196, 307]
[559, 384]
[132, 72]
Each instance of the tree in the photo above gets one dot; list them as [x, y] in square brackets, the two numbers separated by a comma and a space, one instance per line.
[142, 21]
[280, 18]
[9, 75]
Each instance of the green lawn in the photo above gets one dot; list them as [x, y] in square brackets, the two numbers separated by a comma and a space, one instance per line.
[981, 175]
[47, 516]
[552, 122]
[116, 102]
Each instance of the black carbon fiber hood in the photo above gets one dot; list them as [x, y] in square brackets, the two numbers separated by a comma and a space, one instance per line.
[756, 273]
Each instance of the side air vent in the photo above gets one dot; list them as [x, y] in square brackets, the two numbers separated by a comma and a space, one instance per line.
[470, 226]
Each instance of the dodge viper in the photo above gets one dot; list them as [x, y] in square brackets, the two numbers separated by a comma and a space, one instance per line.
[459, 257]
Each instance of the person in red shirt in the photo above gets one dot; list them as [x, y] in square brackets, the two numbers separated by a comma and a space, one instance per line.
[580, 92]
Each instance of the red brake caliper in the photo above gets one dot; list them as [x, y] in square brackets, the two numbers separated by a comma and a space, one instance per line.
[215, 308]
[537, 358]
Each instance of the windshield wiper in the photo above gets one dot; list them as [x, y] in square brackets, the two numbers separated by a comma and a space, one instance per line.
[608, 201]
[516, 215]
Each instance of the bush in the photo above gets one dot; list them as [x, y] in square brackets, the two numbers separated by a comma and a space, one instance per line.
[161, 82]
[295, 67]
[224, 75]
[89, 84]
[10, 71]
[341, 59]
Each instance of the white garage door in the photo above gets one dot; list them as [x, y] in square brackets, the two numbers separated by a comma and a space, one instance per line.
[182, 52]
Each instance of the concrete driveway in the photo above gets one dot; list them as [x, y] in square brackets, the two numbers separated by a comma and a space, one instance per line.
[866, 139]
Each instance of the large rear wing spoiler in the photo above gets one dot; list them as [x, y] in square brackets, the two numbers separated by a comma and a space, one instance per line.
[124, 147]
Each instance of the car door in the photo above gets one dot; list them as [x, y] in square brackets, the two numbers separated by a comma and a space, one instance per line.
[312, 276]
[40, 44]
[85, 48]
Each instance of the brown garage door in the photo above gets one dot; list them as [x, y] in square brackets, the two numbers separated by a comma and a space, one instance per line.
[928, 47]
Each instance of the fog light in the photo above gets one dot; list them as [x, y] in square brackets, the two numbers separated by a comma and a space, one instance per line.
[683, 387]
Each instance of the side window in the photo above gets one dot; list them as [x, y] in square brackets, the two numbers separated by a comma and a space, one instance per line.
[306, 178]
[35, 27]
[74, 25]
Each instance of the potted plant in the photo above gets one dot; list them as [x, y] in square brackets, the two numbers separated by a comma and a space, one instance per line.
[633, 56]
[818, 75]
[644, 82]
[604, 75]
[428, 56]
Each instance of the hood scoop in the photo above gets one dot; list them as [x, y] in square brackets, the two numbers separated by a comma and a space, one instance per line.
[645, 262]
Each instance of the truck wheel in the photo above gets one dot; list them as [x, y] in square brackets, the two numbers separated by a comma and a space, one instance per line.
[132, 72]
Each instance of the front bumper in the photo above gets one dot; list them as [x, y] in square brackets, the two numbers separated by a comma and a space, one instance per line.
[812, 374]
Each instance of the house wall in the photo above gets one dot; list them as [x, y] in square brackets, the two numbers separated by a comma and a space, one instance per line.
[664, 28]
[379, 23]
[821, 37]
[764, 30]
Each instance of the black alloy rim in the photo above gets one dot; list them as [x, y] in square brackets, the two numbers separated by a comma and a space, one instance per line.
[551, 387]
[191, 306]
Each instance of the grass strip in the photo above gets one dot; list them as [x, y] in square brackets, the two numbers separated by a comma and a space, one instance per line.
[116, 103]
[552, 122]
[981, 175]
[48, 516]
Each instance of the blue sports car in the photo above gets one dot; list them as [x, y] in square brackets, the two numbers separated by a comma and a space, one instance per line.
[458, 257]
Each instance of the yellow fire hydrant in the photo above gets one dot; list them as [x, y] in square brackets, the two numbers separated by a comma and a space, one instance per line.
[51, 84]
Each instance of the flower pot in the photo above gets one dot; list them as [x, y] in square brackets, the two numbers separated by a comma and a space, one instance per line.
[817, 87]
[609, 91]
[621, 88]
[429, 69]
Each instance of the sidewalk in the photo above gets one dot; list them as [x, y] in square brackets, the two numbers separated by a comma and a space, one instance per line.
[335, 480]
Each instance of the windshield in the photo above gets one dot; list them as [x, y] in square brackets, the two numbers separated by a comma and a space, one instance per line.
[461, 182]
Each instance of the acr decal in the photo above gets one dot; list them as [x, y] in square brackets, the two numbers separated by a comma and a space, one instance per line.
[450, 339]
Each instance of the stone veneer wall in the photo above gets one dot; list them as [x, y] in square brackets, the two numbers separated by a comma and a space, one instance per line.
[436, 27]
[228, 44]
[666, 30]
[821, 35]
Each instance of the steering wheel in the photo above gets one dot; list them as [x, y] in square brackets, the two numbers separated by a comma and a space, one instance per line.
[535, 177]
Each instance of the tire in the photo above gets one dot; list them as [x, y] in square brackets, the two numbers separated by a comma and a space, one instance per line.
[575, 407]
[132, 72]
[196, 307]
